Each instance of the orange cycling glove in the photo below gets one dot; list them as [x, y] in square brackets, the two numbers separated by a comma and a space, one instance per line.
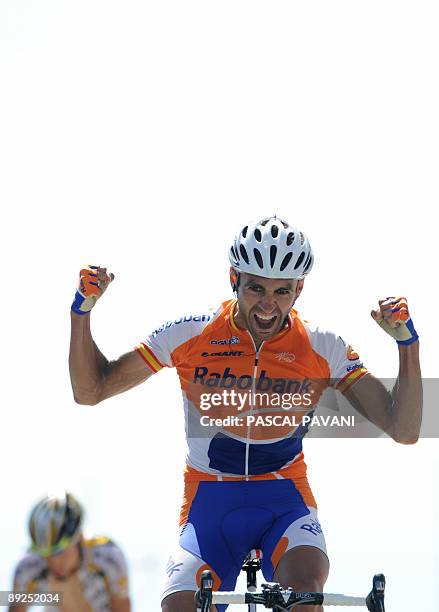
[87, 292]
[393, 316]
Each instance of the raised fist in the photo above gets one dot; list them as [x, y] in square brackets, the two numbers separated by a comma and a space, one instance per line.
[394, 317]
[93, 281]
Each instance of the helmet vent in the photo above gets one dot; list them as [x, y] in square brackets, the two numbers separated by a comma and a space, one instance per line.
[285, 261]
[307, 264]
[70, 524]
[299, 260]
[244, 253]
[271, 248]
[258, 258]
[52, 520]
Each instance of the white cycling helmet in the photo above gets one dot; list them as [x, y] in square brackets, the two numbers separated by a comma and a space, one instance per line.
[273, 249]
[55, 523]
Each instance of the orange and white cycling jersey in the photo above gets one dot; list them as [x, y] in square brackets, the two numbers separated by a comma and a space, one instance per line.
[213, 355]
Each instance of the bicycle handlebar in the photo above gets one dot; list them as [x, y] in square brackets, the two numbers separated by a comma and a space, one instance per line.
[273, 596]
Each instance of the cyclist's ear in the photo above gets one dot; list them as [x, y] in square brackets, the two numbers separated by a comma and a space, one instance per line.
[234, 279]
[299, 288]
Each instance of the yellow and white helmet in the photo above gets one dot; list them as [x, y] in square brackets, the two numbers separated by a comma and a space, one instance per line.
[55, 523]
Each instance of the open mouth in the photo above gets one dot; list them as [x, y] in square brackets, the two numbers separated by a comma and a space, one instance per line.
[265, 322]
[59, 575]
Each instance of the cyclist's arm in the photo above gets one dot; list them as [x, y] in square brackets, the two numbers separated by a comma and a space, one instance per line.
[120, 604]
[399, 413]
[95, 378]
[20, 584]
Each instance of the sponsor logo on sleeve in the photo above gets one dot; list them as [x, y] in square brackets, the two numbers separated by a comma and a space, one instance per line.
[179, 321]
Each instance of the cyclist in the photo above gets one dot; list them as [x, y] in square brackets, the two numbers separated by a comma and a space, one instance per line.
[245, 489]
[90, 574]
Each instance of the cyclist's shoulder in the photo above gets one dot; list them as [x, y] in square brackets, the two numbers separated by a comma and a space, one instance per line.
[313, 329]
[338, 354]
[102, 550]
[192, 323]
[100, 544]
[95, 542]
[322, 338]
[104, 557]
[30, 567]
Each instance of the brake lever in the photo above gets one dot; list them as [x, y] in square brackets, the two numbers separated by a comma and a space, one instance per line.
[203, 597]
[375, 599]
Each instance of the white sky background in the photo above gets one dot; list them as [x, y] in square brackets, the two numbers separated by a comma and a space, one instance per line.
[140, 135]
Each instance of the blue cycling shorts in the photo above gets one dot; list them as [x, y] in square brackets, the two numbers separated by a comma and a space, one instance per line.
[226, 520]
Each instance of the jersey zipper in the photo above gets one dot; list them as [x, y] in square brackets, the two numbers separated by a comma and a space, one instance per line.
[253, 391]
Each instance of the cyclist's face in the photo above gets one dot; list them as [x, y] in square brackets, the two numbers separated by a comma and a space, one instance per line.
[263, 304]
[65, 562]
